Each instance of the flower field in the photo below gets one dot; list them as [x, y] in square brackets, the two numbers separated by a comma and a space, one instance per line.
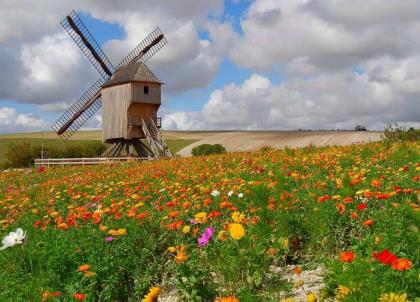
[217, 228]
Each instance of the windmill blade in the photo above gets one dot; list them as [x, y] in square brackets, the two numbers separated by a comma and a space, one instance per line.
[80, 112]
[88, 45]
[146, 49]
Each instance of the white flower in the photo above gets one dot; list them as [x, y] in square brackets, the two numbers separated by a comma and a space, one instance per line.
[240, 195]
[215, 193]
[230, 193]
[13, 238]
[162, 190]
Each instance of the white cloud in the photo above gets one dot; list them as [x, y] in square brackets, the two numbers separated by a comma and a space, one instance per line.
[340, 100]
[12, 121]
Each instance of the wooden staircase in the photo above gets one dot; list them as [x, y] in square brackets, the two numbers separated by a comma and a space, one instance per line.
[155, 139]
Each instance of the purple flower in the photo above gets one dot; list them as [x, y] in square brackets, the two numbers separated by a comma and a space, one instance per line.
[192, 221]
[109, 239]
[205, 237]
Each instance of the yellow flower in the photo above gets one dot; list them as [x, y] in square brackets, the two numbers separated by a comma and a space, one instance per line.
[341, 292]
[171, 249]
[311, 297]
[236, 231]
[118, 232]
[392, 297]
[287, 300]
[200, 217]
[238, 217]
[222, 235]
[103, 228]
[284, 242]
[152, 295]
[186, 229]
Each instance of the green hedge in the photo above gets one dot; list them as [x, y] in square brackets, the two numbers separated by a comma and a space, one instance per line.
[23, 153]
[207, 149]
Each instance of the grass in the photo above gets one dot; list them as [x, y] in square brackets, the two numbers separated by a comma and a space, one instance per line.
[113, 232]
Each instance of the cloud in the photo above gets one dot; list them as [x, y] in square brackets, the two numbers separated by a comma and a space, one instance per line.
[11, 121]
[325, 35]
[339, 100]
[42, 65]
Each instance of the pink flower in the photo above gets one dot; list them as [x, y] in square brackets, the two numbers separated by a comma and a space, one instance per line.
[205, 237]
[109, 239]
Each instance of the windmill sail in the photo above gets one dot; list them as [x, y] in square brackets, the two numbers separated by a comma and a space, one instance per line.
[87, 44]
[82, 109]
[146, 49]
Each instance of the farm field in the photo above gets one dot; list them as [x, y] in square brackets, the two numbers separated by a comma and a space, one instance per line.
[307, 224]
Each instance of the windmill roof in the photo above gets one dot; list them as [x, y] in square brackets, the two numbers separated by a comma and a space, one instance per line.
[134, 72]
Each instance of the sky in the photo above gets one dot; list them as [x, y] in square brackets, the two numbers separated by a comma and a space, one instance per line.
[228, 65]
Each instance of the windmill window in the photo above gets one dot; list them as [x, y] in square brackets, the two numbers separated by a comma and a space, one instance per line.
[146, 89]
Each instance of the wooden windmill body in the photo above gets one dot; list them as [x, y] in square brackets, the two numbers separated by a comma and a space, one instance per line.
[130, 95]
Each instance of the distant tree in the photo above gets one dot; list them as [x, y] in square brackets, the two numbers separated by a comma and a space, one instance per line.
[360, 128]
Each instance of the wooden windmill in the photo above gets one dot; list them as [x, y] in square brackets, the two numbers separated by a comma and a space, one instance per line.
[129, 93]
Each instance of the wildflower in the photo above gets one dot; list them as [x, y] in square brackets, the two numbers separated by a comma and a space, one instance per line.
[181, 257]
[152, 295]
[401, 264]
[236, 231]
[118, 232]
[186, 229]
[79, 296]
[84, 268]
[368, 223]
[215, 193]
[230, 193]
[347, 256]
[205, 237]
[385, 257]
[311, 297]
[348, 199]
[109, 238]
[200, 217]
[222, 235]
[375, 183]
[171, 249]
[341, 208]
[361, 206]
[287, 300]
[392, 297]
[284, 242]
[227, 299]
[13, 238]
[341, 292]
[238, 217]
[240, 195]
[297, 270]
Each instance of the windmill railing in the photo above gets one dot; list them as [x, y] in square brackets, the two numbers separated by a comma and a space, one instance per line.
[137, 122]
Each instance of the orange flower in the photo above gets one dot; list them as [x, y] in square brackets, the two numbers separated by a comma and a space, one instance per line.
[347, 256]
[84, 268]
[227, 299]
[341, 208]
[297, 270]
[79, 296]
[375, 183]
[401, 264]
[181, 257]
[368, 222]
[348, 199]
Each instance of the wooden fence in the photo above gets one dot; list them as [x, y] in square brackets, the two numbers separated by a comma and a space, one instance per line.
[86, 160]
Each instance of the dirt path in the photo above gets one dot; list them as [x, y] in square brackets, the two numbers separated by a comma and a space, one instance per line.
[254, 140]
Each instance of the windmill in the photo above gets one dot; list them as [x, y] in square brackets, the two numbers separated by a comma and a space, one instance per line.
[129, 93]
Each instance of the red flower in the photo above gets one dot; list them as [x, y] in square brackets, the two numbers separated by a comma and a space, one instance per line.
[385, 257]
[323, 198]
[347, 256]
[348, 199]
[361, 206]
[79, 297]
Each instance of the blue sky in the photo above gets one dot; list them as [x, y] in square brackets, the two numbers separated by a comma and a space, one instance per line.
[233, 64]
